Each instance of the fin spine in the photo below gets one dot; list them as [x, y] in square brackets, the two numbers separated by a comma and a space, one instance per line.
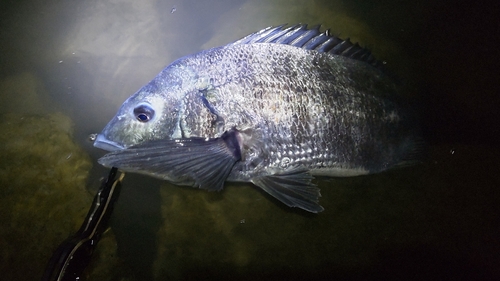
[310, 39]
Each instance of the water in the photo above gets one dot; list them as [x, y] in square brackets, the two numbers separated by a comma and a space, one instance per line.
[67, 66]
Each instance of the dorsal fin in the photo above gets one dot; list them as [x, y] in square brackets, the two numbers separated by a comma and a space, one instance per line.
[310, 39]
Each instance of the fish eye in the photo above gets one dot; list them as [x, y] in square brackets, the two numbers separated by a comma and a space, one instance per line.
[144, 112]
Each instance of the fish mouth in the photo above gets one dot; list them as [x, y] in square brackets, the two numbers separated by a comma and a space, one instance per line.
[103, 143]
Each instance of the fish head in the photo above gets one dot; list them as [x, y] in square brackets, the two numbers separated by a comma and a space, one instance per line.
[140, 118]
[149, 114]
[171, 106]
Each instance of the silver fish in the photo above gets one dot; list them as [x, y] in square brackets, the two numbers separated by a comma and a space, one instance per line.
[274, 108]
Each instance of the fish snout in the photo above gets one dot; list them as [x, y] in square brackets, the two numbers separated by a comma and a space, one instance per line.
[103, 143]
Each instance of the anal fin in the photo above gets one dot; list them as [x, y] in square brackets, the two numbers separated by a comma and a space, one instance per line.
[292, 187]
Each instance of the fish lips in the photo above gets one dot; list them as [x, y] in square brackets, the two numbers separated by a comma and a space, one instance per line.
[103, 143]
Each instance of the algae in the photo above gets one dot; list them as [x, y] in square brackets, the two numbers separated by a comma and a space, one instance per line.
[43, 198]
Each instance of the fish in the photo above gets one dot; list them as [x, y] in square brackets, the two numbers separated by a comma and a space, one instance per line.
[275, 108]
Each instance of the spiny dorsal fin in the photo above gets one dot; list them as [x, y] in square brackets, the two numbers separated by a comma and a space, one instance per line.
[310, 39]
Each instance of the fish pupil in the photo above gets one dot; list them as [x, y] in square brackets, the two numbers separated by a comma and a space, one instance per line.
[143, 113]
[142, 117]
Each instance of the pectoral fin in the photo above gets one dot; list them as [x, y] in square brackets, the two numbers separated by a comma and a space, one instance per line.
[203, 163]
[292, 187]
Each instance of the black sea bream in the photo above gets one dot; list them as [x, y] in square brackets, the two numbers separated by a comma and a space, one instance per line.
[274, 109]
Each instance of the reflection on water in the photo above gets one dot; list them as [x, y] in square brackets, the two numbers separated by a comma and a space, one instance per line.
[66, 68]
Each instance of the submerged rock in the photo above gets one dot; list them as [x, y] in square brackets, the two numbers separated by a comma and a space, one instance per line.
[210, 230]
[43, 198]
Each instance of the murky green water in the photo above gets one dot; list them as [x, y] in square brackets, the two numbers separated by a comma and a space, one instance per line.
[67, 66]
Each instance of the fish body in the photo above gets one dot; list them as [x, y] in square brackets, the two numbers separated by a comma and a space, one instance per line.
[274, 109]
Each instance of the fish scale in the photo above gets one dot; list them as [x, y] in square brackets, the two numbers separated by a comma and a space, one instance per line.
[273, 108]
